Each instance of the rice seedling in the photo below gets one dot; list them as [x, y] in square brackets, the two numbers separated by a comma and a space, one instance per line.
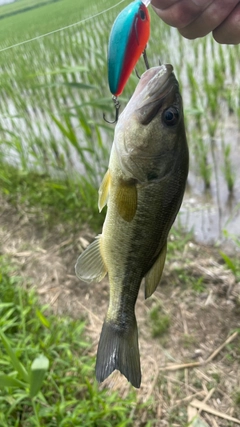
[54, 90]
[227, 168]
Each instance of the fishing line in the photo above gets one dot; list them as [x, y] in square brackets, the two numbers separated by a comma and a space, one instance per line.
[62, 28]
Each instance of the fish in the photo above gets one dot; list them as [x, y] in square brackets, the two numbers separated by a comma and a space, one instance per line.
[128, 38]
[143, 189]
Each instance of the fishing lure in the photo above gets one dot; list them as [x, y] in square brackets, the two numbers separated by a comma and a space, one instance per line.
[128, 39]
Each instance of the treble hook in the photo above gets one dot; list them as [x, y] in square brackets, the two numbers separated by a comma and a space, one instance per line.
[144, 54]
[117, 107]
[136, 72]
[145, 59]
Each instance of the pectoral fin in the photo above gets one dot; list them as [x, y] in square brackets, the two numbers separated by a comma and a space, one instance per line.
[126, 200]
[104, 191]
[90, 266]
[153, 277]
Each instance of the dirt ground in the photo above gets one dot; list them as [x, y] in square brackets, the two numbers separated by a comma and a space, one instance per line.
[194, 366]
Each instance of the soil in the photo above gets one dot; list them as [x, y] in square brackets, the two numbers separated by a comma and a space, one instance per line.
[179, 368]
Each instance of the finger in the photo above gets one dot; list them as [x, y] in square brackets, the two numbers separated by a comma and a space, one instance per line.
[180, 13]
[229, 31]
[210, 19]
[164, 4]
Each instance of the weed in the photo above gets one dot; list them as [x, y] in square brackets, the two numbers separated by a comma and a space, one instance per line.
[51, 199]
[178, 240]
[198, 285]
[177, 415]
[188, 340]
[232, 263]
[188, 280]
[45, 368]
[236, 398]
[159, 321]
[216, 376]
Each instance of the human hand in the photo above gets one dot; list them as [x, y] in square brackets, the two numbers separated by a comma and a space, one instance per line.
[196, 18]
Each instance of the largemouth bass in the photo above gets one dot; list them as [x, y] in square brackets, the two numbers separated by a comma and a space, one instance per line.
[143, 189]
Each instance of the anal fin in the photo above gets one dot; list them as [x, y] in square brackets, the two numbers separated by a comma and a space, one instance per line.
[154, 275]
[90, 266]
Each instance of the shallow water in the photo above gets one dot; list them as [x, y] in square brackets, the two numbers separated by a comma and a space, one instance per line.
[207, 212]
[214, 212]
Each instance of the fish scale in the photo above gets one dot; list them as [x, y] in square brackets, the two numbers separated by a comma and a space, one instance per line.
[143, 189]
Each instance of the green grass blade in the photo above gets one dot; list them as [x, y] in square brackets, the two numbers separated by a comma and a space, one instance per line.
[228, 261]
[79, 85]
[7, 381]
[16, 364]
[43, 319]
[38, 369]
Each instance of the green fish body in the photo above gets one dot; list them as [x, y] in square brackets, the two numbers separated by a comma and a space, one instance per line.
[143, 189]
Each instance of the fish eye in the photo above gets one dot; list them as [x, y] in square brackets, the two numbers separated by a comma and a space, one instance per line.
[142, 15]
[170, 116]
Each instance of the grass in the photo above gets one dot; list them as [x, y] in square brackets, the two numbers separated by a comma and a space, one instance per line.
[232, 263]
[54, 150]
[51, 200]
[188, 340]
[45, 368]
[37, 21]
[38, 332]
[237, 398]
[159, 321]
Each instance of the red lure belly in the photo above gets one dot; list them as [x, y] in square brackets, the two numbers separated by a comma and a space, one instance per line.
[129, 36]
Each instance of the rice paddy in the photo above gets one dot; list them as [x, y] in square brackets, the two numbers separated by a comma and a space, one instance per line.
[54, 150]
[54, 90]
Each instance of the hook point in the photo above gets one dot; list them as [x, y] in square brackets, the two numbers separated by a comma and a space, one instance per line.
[117, 107]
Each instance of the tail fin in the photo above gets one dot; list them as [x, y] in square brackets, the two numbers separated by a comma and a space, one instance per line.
[118, 349]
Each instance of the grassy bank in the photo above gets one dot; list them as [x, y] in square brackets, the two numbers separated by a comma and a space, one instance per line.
[47, 352]
[54, 150]
[46, 372]
[51, 200]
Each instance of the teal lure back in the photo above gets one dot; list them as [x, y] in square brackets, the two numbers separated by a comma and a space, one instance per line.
[129, 36]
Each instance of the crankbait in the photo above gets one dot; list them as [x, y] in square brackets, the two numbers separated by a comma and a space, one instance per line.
[128, 39]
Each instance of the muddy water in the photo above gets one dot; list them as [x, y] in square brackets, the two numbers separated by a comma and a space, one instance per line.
[207, 212]
[215, 212]
[210, 213]
[209, 218]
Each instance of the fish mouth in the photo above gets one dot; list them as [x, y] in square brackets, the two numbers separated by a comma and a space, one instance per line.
[155, 85]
